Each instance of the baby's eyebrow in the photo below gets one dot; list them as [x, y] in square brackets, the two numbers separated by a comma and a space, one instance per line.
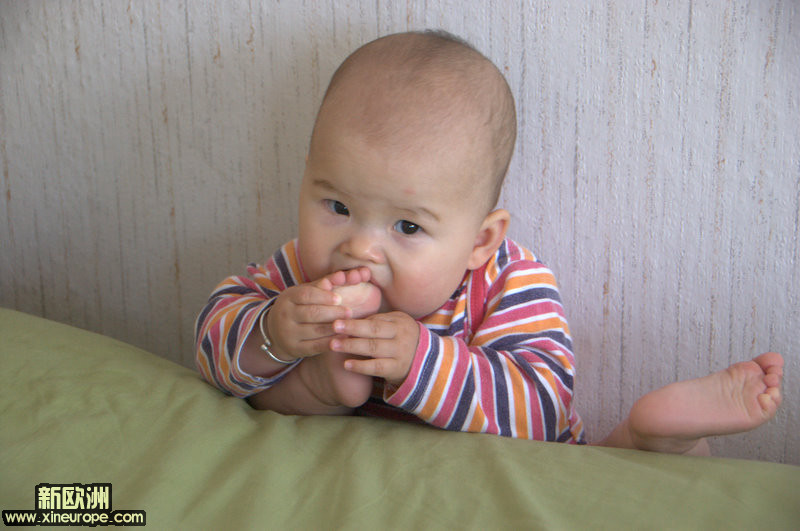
[424, 211]
[322, 183]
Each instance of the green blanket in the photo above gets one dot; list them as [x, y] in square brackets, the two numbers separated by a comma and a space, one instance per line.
[80, 409]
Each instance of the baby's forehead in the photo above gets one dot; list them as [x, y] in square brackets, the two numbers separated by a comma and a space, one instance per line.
[404, 170]
[384, 110]
[429, 198]
[446, 150]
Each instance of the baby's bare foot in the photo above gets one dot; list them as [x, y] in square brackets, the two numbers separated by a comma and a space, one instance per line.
[337, 389]
[740, 398]
[363, 298]
[317, 386]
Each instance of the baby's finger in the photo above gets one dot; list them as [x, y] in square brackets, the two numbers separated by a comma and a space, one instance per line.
[371, 347]
[317, 313]
[313, 331]
[377, 367]
[305, 295]
[311, 347]
[366, 328]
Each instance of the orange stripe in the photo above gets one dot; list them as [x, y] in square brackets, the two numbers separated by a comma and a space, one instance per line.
[491, 270]
[202, 363]
[291, 255]
[222, 360]
[551, 323]
[478, 418]
[576, 430]
[438, 319]
[520, 407]
[440, 382]
[461, 307]
[528, 279]
[526, 254]
[263, 280]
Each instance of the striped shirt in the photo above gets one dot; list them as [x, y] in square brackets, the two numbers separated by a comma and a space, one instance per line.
[495, 358]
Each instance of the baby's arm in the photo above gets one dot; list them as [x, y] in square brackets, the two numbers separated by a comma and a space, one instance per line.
[320, 385]
[228, 337]
[520, 390]
[224, 326]
[298, 322]
[514, 378]
[298, 325]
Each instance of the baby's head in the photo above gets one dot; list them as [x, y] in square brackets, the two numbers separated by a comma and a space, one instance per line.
[406, 162]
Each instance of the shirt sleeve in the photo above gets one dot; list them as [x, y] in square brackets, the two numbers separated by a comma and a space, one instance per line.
[514, 377]
[228, 318]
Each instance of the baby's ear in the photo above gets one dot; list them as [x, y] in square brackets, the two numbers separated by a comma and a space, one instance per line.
[490, 236]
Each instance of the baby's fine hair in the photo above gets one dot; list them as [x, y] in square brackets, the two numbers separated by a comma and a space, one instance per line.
[438, 59]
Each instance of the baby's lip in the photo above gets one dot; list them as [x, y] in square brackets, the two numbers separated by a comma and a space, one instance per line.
[373, 281]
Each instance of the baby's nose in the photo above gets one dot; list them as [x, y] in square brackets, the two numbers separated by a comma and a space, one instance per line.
[364, 246]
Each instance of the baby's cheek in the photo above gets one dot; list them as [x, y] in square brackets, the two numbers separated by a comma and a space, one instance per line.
[417, 300]
[363, 299]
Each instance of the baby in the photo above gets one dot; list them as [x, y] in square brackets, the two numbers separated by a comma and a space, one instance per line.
[402, 295]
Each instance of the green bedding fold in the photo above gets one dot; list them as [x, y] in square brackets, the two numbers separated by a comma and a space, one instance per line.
[80, 408]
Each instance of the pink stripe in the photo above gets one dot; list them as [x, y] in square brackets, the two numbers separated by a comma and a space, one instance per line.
[274, 274]
[399, 397]
[486, 391]
[461, 368]
[537, 419]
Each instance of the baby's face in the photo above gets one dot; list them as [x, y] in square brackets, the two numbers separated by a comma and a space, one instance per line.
[402, 213]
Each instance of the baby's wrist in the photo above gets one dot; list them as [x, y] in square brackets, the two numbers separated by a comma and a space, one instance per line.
[268, 347]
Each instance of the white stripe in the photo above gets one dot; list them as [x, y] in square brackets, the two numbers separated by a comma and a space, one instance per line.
[473, 407]
[431, 381]
[512, 425]
[528, 415]
[552, 393]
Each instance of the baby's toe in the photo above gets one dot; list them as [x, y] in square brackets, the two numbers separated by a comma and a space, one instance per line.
[772, 380]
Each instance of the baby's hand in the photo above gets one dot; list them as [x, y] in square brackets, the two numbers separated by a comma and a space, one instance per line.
[387, 340]
[299, 323]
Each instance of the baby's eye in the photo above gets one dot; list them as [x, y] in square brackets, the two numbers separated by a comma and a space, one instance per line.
[337, 207]
[406, 227]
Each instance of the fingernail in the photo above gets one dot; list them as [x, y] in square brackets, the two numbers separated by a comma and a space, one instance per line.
[337, 299]
[336, 344]
[338, 326]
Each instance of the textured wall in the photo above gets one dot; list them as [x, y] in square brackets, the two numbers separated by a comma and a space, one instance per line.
[149, 149]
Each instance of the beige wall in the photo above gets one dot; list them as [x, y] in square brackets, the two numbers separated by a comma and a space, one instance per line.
[151, 148]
